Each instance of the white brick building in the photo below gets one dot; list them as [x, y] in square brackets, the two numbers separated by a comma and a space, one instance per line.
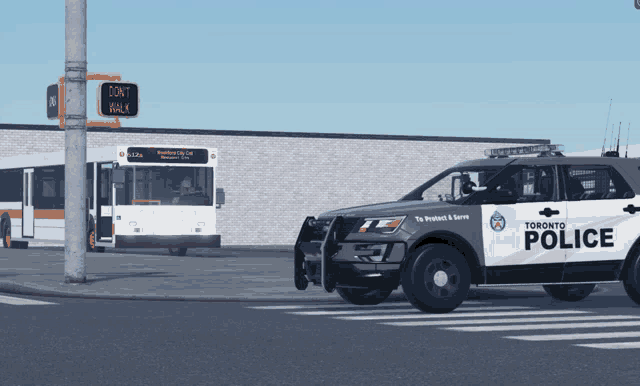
[273, 180]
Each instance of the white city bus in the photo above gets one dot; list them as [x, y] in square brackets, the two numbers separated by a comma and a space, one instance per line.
[164, 198]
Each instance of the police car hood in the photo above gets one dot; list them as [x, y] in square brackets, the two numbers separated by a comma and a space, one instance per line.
[393, 208]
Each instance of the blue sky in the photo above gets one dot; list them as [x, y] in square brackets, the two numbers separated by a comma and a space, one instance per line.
[515, 69]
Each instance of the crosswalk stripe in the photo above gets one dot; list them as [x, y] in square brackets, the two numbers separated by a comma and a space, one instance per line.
[21, 302]
[591, 335]
[462, 315]
[543, 326]
[355, 312]
[617, 345]
[341, 305]
[513, 320]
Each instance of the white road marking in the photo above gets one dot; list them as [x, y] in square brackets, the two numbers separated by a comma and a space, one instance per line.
[341, 305]
[355, 312]
[543, 326]
[591, 335]
[618, 345]
[462, 315]
[22, 302]
[513, 320]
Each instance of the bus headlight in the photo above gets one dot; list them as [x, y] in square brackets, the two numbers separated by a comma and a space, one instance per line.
[380, 225]
[133, 223]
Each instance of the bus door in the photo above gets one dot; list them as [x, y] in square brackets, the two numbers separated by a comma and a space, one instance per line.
[27, 203]
[104, 209]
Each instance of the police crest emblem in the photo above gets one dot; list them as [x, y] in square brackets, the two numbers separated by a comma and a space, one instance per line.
[497, 222]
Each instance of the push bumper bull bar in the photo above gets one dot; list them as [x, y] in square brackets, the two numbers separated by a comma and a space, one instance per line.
[328, 247]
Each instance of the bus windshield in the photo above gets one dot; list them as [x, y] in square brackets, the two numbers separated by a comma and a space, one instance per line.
[166, 185]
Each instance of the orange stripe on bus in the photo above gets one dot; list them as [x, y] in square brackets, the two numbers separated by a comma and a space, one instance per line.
[52, 214]
[13, 213]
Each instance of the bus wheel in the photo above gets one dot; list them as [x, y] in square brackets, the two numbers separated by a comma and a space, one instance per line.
[363, 296]
[569, 293]
[6, 235]
[91, 241]
[178, 251]
[100, 249]
[436, 279]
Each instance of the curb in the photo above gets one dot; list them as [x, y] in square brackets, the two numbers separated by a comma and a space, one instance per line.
[18, 289]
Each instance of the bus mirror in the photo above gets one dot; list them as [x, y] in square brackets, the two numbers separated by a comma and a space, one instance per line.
[118, 176]
[219, 197]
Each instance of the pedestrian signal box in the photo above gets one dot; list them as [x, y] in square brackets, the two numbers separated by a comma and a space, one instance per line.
[118, 99]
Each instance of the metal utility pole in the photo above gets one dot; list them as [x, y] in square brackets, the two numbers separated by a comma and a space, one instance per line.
[75, 80]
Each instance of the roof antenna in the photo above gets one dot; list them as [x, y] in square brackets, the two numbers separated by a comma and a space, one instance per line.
[613, 125]
[618, 147]
[605, 128]
[625, 153]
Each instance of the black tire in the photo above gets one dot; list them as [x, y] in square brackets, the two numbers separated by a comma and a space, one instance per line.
[6, 235]
[569, 292]
[23, 245]
[631, 280]
[178, 251]
[364, 296]
[100, 249]
[436, 279]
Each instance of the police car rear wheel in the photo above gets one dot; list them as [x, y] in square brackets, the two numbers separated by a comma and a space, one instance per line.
[363, 296]
[631, 280]
[436, 279]
[569, 293]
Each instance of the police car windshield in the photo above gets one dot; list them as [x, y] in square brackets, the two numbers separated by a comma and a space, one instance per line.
[453, 185]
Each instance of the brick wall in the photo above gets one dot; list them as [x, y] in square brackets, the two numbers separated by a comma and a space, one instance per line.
[273, 183]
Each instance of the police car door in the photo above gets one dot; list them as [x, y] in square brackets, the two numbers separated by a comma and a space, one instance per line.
[523, 225]
[599, 231]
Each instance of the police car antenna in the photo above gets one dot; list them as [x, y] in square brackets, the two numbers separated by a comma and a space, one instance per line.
[627, 151]
[618, 147]
[606, 127]
[613, 125]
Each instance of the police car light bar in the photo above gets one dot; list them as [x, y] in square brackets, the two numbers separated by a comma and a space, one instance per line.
[535, 149]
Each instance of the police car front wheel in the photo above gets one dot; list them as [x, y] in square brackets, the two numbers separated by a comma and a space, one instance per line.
[569, 293]
[436, 279]
[364, 296]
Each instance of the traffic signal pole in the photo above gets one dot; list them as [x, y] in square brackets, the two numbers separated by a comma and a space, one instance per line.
[75, 124]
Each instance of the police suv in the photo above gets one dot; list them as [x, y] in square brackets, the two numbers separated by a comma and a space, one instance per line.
[565, 223]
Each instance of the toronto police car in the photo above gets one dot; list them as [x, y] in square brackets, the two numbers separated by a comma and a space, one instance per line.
[566, 223]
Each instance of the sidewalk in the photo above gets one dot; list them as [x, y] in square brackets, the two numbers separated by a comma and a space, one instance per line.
[225, 274]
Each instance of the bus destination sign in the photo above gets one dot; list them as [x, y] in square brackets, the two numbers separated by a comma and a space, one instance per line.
[167, 155]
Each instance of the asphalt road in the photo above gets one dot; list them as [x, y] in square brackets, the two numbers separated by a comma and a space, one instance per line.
[76, 341]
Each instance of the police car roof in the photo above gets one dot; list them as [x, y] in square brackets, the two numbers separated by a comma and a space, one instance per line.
[497, 162]
[568, 160]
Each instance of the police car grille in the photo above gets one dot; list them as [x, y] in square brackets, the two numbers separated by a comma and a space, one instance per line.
[319, 231]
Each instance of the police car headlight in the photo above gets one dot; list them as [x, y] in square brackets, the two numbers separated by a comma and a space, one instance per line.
[380, 225]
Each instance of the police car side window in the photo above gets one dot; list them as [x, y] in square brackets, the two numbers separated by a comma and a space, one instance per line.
[595, 182]
[523, 184]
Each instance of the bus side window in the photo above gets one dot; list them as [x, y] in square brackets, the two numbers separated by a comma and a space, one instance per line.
[105, 184]
[11, 183]
[49, 187]
[89, 191]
